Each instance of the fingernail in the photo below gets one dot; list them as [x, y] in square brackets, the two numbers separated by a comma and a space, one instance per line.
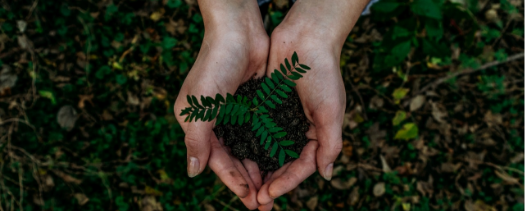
[193, 167]
[328, 171]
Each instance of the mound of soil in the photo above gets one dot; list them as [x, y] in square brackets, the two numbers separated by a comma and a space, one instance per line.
[242, 141]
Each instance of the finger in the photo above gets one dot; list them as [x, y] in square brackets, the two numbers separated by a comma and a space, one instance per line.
[250, 201]
[329, 135]
[298, 171]
[266, 207]
[311, 133]
[223, 166]
[197, 142]
[254, 172]
[263, 197]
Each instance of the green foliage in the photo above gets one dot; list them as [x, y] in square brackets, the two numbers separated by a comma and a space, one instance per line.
[409, 131]
[243, 110]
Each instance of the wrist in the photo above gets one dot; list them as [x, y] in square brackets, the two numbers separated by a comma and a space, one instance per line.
[328, 20]
[237, 16]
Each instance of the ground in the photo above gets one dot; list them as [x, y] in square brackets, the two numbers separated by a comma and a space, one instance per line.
[434, 117]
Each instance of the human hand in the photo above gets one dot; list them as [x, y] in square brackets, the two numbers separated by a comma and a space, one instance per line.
[234, 50]
[316, 30]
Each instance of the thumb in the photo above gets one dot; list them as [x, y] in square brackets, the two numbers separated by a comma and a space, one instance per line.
[329, 136]
[197, 142]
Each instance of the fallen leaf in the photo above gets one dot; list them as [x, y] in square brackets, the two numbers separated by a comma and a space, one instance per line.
[400, 116]
[491, 15]
[81, 198]
[133, 99]
[24, 43]
[353, 198]
[84, 98]
[492, 119]
[149, 203]
[386, 168]
[399, 94]
[406, 206]
[438, 112]
[379, 189]
[339, 184]
[7, 78]
[480, 205]
[507, 178]
[67, 178]
[409, 131]
[155, 16]
[376, 102]
[67, 116]
[208, 207]
[518, 158]
[152, 191]
[21, 24]
[417, 102]
[312, 202]
[106, 115]
[347, 148]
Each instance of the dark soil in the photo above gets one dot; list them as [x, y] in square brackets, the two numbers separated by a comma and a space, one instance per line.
[242, 141]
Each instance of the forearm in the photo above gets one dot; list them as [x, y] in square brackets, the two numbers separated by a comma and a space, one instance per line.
[222, 14]
[332, 19]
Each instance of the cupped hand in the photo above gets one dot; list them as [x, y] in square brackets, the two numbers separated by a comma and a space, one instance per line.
[316, 30]
[232, 52]
[322, 95]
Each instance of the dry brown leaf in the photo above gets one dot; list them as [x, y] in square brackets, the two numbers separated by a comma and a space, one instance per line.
[386, 168]
[312, 202]
[67, 116]
[517, 159]
[7, 78]
[417, 102]
[208, 207]
[376, 102]
[81, 198]
[347, 148]
[133, 99]
[84, 98]
[379, 189]
[67, 178]
[24, 42]
[106, 115]
[21, 24]
[38, 200]
[339, 184]
[438, 112]
[149, 203]
[353, 198]
[493, 119]
[449, 167]
[507, 178]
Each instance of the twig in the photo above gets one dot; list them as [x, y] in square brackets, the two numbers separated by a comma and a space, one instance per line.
[494, 165]
[468, 71]
[227, 206]
[31, 10]
[360, 98]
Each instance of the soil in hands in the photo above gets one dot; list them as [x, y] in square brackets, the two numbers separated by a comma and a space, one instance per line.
[242, 140]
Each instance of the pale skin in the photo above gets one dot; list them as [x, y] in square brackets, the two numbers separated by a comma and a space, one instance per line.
[235, 49]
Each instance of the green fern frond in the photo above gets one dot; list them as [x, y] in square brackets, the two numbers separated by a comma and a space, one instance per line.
[243, 110]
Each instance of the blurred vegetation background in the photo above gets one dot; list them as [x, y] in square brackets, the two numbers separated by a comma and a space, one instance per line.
[434, 114]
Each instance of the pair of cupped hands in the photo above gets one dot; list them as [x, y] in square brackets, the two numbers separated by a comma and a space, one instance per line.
[235, 49]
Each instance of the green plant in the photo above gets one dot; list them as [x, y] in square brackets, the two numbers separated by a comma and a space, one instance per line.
[242, 109]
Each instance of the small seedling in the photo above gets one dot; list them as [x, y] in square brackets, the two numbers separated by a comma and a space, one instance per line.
[254, 111]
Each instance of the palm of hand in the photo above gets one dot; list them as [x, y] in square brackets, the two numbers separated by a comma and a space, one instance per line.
[323, 98]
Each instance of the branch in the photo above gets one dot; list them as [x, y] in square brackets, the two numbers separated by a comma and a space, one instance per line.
[468, 71]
